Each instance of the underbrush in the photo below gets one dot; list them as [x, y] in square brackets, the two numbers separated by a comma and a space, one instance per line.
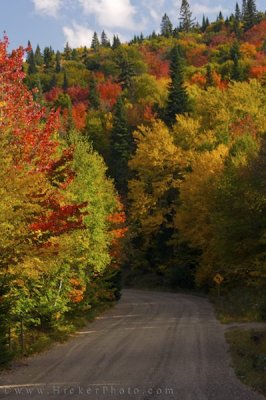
[240, 305]
[248, 351]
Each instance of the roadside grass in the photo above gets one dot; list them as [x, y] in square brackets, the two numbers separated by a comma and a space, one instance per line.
[240, 305]
[37, 341]
[248, 351]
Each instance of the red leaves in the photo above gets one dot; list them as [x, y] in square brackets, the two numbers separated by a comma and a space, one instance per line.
[60, 219]
[156, 66]
[109, 92]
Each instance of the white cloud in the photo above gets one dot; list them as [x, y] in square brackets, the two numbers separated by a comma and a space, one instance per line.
[111, 13]
[48, 7]
[200, 9]
[78, 35]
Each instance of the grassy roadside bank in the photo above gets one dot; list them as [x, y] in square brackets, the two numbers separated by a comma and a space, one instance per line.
[248, 352]
[36, 340]
[247, 346]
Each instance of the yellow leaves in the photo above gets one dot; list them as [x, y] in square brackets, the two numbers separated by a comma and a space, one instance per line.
[157, 166]
[196, 194]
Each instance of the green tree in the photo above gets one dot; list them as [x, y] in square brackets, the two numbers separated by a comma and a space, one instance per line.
[32, 64]
[186, 21]
[250, 14]
[38, 56]
[178, 100]
[48, 57]
[95, 43]
[121, 147]
[58, 62]
[94, 99]
[116, 42]
[67, 52]
[209, 77]
[104, 40]
[166, 26]
[65, 82]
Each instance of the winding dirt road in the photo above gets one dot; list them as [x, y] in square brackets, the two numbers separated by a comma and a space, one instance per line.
[150, 346]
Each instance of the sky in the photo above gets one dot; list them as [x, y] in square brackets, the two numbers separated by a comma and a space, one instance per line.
[55, 22]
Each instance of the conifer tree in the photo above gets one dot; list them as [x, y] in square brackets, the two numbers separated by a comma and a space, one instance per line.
[48, 57]
[38, 56]
[67, 52]
[209, 77]
[186, 21]
[166, 26]
[250, 15]
[121, 143]
[31, 61]
[95, 44]
[65, 82]
[244, 8]
[104, 40]
[116, 42]
[58, 62]
[236, 21]
[93, 94]
[178, 100]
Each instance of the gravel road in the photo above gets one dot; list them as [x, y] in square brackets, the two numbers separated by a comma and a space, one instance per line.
[150, 346]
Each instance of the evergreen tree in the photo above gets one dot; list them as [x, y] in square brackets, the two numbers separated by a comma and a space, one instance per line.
[178, 100]
[166, 26]
[236, 72]
[209, 77]
[104, 40]
[244, 9]
[250, 15]
[116, 42]
[65, 82]
[220, 16]
[31, 61]
[236, 21]
[95, 44]
[38, 56]
[74, 55]
[93, 94]
[264, 47]
[48, 57]
[53, 82]
[127, 71]
[67, 52]
[58, 62]
[121, 143]
[186, 21]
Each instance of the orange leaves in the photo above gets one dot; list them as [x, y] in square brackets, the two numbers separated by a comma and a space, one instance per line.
[256, 35]
[109, 92]
[79, 114]
[156, 65]
[76, 294]
[258, 72]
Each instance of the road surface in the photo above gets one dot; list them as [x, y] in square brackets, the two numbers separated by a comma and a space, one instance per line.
[150, 346]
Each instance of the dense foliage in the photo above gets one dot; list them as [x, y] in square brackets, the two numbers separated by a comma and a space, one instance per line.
[179, 122]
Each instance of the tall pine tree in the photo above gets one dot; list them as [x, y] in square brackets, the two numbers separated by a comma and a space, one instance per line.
[250, 14]
[121, 145]
[178, 101]
[166, 26]
[95, 44]
[186, 21]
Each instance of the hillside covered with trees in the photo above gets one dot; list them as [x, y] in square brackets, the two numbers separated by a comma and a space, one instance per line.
[166, 132]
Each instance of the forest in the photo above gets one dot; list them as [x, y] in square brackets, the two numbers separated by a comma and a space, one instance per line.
[132, 162]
